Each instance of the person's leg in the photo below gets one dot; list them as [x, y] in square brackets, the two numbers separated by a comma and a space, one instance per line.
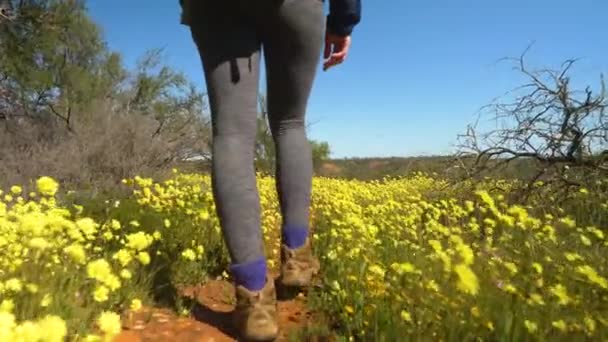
[230, 52]
[292, 48]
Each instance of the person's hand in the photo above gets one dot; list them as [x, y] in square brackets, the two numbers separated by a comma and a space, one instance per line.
[336, 50]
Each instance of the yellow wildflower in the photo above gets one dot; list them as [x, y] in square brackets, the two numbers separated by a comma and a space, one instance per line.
[531, 326]
[536, 298]
[77, 253]
[560, 325]
[47, 299]
[16, 190]
[593, 276]
[47, 186]
[467, 280]
[189, 254]
[585, 240]
[590, 324]
[7, 305]
[109, 324]
[135, 304]
[144, 258]
[125, 274]
[54, 328]
[511, 267]
[139, 241]
[405, 316]
[561, 293]
[101, 293]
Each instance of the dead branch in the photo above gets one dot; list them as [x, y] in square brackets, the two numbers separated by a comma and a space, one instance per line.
[66, 118]
[545, 121]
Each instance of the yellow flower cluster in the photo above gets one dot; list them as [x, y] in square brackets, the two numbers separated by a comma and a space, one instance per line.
[456, 262]
[49, 329]
[416, 255]
[56, 267]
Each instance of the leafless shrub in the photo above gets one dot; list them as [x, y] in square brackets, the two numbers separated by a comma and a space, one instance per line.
[561, 132]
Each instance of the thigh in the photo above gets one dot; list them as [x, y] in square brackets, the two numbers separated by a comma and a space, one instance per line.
[229, 47]
[292, 39]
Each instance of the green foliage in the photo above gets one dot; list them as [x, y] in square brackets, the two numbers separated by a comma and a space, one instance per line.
[320, 152]
[60, 85]
[53, 59]
[53, 55]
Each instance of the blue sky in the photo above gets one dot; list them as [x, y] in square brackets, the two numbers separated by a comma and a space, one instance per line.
[418, 70]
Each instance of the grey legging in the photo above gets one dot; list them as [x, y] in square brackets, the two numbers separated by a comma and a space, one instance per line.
[229, 35]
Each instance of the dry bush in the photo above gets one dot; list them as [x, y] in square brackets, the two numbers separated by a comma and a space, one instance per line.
[101, 149]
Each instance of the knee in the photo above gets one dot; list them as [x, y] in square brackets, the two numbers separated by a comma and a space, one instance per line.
[233, 145]
[282, 126]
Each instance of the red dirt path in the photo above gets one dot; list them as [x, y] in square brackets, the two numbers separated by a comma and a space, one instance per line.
[209, 321]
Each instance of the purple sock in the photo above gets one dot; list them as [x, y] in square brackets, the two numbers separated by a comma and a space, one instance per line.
[294, 236]
[251, 275]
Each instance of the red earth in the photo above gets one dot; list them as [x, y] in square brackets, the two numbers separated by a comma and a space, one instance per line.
[209, 321]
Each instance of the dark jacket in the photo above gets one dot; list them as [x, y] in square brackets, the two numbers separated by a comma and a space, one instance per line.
[343, 16]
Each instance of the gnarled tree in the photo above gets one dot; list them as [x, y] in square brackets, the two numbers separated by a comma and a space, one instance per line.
[558, 133]
[70, 109]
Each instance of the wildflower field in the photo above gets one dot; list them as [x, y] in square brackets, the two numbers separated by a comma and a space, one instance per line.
[414, 258]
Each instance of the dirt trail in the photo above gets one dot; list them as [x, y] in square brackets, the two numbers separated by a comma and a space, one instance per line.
[209, 321]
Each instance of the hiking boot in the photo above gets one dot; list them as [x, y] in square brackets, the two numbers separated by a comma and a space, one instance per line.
[255, 314]
[298, 266]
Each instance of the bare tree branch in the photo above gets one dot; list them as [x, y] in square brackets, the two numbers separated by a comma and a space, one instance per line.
[65, 118]
[542, 121]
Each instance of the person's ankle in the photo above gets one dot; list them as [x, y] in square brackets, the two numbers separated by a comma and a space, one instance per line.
[251, 275]
[294, 236]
